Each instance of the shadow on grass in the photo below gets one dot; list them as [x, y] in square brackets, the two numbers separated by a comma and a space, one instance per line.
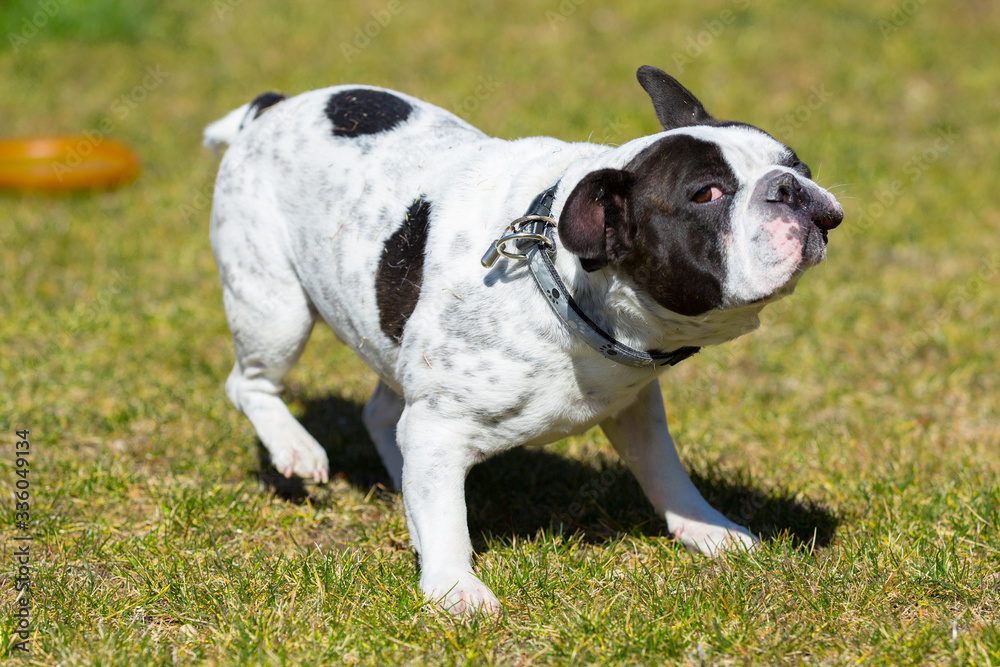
[524, 490]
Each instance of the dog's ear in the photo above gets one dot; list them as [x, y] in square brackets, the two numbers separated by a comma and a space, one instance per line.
[675, 105]
[595, 224]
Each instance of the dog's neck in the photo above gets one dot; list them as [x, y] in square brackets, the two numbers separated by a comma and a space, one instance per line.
[612, 300]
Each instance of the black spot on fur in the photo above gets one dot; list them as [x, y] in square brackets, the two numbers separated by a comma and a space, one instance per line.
[362, 111]
[494, 417]
[792, 161]
[262, 103]
[401, 271]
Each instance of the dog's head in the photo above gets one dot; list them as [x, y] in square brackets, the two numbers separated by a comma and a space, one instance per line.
[708, 215]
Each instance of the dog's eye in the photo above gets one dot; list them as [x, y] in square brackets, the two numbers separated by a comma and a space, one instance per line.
[705, 195]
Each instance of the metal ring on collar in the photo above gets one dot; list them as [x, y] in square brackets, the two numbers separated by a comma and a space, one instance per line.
[541, 227]
[541, 238]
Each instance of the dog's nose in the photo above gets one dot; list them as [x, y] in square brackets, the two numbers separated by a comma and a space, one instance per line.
[786, 189]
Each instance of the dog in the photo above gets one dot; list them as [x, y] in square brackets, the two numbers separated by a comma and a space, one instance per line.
[601, 267]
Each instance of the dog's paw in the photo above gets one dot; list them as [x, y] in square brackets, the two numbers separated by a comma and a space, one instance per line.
[710, 535]
[464, 595]
[304, 458]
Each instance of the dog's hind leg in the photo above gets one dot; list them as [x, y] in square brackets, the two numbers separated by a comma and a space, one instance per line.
[640, 436]
[271, 319]
[380, 416]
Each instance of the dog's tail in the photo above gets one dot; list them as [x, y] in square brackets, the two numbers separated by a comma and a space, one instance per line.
[224, 131]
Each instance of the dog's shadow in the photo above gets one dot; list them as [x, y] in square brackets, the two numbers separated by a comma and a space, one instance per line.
[525, 490]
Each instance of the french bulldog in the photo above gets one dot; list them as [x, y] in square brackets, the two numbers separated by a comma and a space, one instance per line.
[604, 265]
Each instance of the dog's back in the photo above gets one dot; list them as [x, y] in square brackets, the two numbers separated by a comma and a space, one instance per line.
[338, 185]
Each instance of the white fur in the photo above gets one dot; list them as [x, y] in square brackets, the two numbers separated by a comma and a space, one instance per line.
[299, 221]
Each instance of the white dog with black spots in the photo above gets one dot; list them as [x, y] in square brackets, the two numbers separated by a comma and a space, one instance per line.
[370, 209]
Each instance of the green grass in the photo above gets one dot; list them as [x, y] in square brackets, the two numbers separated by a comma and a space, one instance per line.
[858, 430]
[23, 22]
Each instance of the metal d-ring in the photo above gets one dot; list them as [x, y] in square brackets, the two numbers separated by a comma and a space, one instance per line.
[497, 249]
[518, 236]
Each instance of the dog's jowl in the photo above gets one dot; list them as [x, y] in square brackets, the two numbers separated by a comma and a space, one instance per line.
[371, 210]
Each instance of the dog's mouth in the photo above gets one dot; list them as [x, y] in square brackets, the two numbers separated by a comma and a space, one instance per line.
[814, 245]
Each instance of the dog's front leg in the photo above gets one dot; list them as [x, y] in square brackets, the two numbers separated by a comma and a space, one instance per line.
[436, 459]
[640, 436]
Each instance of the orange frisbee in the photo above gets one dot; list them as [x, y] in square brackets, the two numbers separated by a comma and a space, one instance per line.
[65, 163]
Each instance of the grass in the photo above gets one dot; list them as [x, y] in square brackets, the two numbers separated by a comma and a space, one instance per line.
[858, 430]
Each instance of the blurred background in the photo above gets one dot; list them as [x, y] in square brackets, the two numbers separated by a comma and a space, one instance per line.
[871, 389]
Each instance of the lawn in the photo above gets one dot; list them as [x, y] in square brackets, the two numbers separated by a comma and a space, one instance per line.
[857, 430]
